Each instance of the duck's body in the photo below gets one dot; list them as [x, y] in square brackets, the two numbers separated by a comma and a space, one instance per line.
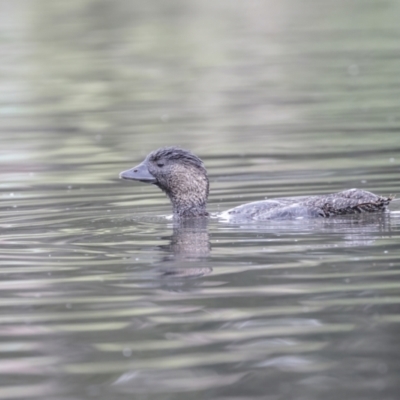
[183, 177]
[352, 201]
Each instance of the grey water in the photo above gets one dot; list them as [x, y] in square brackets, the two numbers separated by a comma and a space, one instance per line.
[102, 295]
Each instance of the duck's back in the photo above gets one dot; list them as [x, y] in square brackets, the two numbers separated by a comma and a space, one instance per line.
[352, 201]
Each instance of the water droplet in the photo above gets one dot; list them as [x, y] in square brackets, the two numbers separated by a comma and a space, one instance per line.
[127, 352]
[353, 70]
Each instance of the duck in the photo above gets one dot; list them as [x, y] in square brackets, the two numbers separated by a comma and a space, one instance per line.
[183, 177]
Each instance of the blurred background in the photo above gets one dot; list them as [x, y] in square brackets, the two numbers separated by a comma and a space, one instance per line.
[278, 98]
[100, 78]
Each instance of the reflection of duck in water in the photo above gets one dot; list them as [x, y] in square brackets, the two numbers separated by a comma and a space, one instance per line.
[189, 249]
[190, 239]
[183, 177]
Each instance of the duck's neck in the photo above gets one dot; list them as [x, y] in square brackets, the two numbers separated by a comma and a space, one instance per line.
[183, 208]
[188, 193]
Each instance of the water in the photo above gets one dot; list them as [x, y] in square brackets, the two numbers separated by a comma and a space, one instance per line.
[104, 297]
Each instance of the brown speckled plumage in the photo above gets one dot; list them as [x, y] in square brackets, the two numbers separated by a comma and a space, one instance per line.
[180, 174]
[352, 201]
[183, 177]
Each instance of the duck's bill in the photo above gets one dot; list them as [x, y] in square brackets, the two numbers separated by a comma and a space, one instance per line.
[138, 173]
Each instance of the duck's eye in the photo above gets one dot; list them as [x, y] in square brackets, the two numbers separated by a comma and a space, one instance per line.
[160, 165]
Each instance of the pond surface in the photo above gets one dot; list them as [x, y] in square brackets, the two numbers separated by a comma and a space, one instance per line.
[102, 296]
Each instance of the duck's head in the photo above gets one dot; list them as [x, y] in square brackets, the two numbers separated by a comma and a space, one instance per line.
[180, 174]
